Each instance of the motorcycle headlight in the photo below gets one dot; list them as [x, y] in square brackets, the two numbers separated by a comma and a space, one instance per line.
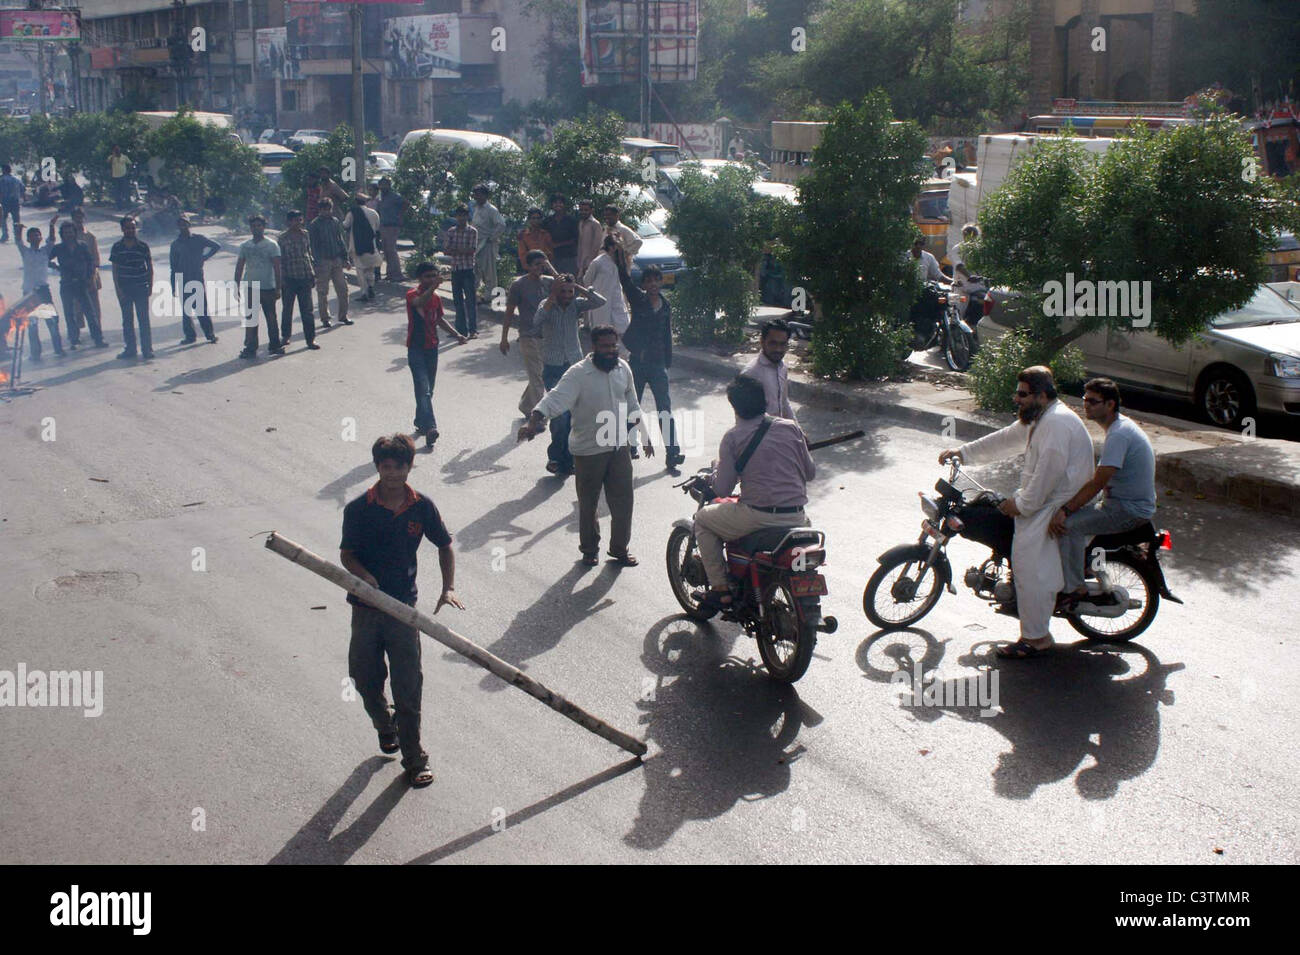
[929, 506]
[1284, 366]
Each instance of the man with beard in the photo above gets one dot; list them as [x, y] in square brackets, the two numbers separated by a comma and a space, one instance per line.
[1058, 461]
[769, 370]
[599, 394]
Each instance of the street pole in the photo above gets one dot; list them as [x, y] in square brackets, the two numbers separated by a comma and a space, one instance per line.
[234, 35]
[645, 68]
[358, 102]
[40, 72]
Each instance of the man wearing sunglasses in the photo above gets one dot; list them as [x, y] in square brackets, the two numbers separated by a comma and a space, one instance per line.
[1126, 474]
[1058, 461]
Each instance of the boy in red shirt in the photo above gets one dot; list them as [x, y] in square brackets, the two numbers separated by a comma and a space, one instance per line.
[423, 315]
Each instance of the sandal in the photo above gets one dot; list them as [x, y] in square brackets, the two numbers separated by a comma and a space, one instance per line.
[590, 560]
[624, 560]
[713, 599]
[419, 776]
[388, 742]
[1021, 650]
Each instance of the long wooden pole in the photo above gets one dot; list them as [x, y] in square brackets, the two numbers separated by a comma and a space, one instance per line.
[412, 617]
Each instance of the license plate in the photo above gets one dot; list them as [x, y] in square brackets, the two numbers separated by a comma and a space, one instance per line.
[669, 278]
[812, 585]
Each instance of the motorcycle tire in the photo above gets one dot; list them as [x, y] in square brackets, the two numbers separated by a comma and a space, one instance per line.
[682, 549]
[1138, 570]
[789, 621]
[878, 578]
[957, 348]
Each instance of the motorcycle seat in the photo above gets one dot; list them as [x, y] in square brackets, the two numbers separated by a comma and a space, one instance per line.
[765, 540]
[1144, 533]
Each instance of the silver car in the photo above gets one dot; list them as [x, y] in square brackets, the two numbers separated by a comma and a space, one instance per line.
[1247, 359]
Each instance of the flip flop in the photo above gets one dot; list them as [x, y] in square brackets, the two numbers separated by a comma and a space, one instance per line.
[590, 560]
[625, 560]
[388, 742]
[419, 777]
[1021, 650]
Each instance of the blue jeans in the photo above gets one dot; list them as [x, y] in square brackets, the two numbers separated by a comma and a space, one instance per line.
[137, 297]
[1106, 517]
[424, 370]
[558, 450]
[462, 298]
[10, 210]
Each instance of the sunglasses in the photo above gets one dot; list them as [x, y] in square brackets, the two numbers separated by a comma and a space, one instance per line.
[1023, 394]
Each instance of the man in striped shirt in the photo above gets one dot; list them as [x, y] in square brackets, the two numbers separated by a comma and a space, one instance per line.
[460, 242]
[133, 281]
[298, 273]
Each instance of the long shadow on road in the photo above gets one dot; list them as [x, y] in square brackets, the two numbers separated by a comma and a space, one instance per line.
[1052, 708]
[314, 843]
[725, 730]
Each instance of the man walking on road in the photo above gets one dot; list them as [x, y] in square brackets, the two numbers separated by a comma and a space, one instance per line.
[460, 242]
[133, 281]
[564, 235]
[491, 226]
[558, 318]
[390, 221]
[361, 228]
[189, 253]
[76, 275]
[769, 370]
[11, 198]
[599, 395]
[382, 530]
[1058, 461]
[423, 316]
[534, 237]
[87, 238]
[36, 291]
[330, 254]
[1126, 474]
[591, 236]
[118, 165]
[527, 293]
[298, 273]
[627, 237]
[649, 341]
[259, 263]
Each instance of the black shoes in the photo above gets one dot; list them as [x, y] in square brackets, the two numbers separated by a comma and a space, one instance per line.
[125, 354]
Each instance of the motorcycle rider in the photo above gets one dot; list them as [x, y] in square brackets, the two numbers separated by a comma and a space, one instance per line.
[1127, 475]
[926, 311]
[1058, 459]
[772, 490]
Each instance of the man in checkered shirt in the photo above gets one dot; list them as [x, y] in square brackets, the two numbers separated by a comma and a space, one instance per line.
[460, 242]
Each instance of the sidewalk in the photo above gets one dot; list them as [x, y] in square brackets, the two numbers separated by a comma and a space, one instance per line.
[1210, 464]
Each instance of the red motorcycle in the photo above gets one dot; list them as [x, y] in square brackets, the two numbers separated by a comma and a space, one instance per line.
[776, 590]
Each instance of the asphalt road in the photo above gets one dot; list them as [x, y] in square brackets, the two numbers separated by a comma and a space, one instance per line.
[223, 702]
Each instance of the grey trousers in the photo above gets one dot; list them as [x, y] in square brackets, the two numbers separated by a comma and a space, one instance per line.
[1104, 517]
[373, 634]
[611, 470]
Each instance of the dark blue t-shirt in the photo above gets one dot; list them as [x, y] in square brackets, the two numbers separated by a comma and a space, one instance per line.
[386, 541]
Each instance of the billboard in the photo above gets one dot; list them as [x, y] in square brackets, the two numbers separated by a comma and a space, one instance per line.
[273, 55]
[39, 25]
[318, 31]
[609, 40]
[421, 48]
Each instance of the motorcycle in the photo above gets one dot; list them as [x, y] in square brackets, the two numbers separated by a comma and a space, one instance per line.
[775, 590]
[937, 321]
[966, 306]
[1122, 600]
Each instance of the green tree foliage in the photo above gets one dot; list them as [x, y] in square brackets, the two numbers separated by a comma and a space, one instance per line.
[201, 161]
[584, 161]
[335, 154]
[849, 240]
[1178, 208]
[720, 226]
[1248, 46]
[993, 372]
[425, 178]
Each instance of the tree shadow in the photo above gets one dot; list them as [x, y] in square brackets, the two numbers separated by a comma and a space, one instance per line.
[314, 843]
[1086, 699]
[528, 812]
[725, 730]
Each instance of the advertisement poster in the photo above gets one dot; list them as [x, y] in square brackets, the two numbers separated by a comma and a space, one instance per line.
[39, 25]
[273, 57]
[318, 30]
[421, 48]
[609, 40]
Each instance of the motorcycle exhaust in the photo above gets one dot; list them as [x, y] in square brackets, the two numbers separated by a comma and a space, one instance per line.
[828, 625]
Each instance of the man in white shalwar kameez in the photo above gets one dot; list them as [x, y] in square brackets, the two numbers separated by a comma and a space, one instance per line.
[602, 275]
[1058, 461]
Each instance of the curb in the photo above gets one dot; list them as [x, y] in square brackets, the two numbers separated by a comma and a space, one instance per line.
[1208, 473]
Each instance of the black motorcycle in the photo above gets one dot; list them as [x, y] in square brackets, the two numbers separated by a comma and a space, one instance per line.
[1123, 596]
[776, 588]
[937, 321]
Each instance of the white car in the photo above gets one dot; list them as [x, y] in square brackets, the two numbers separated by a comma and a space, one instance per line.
[307, 137]
[1247, 359]
[271, 157]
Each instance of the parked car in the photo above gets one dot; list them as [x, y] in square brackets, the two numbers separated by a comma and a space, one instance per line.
[657, 249]
[380, 164]
[271, 157]
[1247, 359]
[664, 154]
[306, 137]
[469, 138]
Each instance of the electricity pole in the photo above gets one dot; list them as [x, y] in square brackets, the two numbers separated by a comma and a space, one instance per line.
[358, 101]
[645, 68]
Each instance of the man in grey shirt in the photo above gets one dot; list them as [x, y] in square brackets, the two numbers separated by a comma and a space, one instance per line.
[558, 318]
[772, 491]
[1127, 474]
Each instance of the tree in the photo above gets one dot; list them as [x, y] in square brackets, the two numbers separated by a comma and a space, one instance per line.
[720, 226]
[201, 161]
[1180, 209]
[1249, 46]
[335, 153]
[850, 239]
[584, 160]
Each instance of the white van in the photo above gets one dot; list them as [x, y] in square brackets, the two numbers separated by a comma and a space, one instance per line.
[468, 138]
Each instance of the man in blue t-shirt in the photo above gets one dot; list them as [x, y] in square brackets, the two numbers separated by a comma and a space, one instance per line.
[1127, 475]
